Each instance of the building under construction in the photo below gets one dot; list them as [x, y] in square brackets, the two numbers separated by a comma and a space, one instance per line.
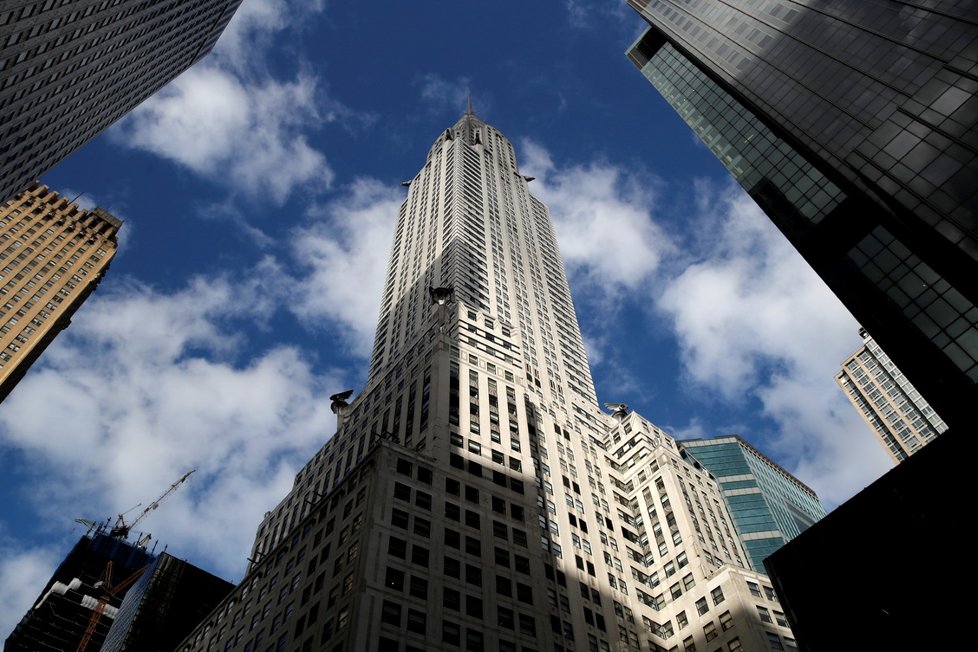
[110, 594]
[91, 579]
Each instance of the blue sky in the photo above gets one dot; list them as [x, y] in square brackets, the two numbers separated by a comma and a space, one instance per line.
[260, 190]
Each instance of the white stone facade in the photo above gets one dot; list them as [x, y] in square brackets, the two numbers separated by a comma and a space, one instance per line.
[474, 496]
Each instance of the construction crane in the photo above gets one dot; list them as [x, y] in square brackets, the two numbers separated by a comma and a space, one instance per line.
[107, 591]
[121, 529]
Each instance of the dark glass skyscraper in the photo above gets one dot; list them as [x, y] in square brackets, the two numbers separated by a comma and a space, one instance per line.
[853, 125]
[70, 68]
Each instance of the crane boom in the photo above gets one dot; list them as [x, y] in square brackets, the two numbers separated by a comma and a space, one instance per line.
[122, 529]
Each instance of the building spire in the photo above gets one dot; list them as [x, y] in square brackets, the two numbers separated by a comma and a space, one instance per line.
[469, 110]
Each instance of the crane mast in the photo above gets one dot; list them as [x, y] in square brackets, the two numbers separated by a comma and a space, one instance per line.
[121, 529]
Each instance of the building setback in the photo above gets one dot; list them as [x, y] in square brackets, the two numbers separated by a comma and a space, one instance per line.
[769, 505]
[71, 68]
[53, 255]
[854, 125]
[893, 409]
[474, 495]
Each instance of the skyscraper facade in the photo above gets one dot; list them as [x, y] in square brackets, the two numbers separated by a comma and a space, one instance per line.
[854, 125]
[53, 256]
[474, 495]
[70, 68]
[893, 409]
[769, 506]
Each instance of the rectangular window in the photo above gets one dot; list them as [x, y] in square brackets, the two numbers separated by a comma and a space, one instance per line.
[717, 594]
[419, 556]
[397, 548]
[726, 621]
[419, 587]
[710, 630]
[416, 621]
[764, 614]
[399, 518]
[391, 613]
[452, 599]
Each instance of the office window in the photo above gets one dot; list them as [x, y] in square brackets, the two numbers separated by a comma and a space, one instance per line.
[397, 548]
[416, 621]
[394, 579]
[422, 527]
[453, 568]
[451, 633]
[402, 492]
[473, 575]
[391, 613]
[419, 556]
[473, 606]
[451, 599]
[717, 594]
[419, 587]
[764, 614]
[474, 640]
[399, 518]
[726, 621]
[710, 630]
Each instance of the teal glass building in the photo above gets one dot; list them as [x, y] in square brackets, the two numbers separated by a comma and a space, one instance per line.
[769, 505]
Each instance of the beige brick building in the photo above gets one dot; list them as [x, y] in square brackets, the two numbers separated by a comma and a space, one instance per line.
[902, 420]
[474, 496]
[52, 256]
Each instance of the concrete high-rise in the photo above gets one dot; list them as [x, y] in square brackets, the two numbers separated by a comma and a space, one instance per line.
[854, 125]
[474, 495]
[769, 505]
[69, 69]
[893, 409]
[53, 255]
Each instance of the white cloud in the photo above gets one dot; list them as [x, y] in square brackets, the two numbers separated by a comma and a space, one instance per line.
[145, 386]
[590, 14]
[255, 23]
[229, 119]
[602, 215]
[344, 255]
[23, 575]
[451, 95]
[248, 134]
[752, 318]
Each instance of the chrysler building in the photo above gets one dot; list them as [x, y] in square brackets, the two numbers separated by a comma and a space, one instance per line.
[475, 495]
